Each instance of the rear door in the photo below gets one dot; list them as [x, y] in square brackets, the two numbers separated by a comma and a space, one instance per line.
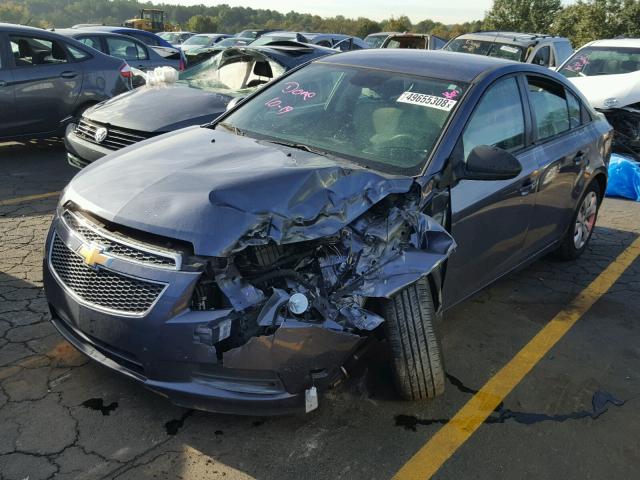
[562, 151]
[7, 96]
[490, 219]
[47, 82]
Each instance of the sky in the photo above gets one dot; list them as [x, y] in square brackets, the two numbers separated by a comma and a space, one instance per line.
[449, 11]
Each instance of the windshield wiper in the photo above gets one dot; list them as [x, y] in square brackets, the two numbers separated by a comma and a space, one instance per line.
[231, 128]
[299, 146]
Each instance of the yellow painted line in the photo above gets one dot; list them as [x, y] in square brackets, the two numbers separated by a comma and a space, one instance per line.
[28, 198]
[428, 460]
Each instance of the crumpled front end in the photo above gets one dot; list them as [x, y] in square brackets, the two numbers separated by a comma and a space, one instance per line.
[256, 330]
[626, 125]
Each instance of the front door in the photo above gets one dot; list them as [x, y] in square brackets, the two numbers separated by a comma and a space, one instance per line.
[490, 219]
[47, 83]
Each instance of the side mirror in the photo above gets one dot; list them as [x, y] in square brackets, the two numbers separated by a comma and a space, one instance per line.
[234, 102]
[490, 163]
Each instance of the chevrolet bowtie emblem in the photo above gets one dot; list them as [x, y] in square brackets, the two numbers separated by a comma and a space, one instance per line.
[92, 255]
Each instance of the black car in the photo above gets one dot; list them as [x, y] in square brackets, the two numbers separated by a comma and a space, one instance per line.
[133, 51]
[238, 266]
[47, 80]
[201, 95]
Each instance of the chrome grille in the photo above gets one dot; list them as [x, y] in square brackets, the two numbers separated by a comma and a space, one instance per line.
[116, 138]
[92, 234]
[102, 288]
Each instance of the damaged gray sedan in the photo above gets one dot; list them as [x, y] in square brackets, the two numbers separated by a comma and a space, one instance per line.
[239, 266]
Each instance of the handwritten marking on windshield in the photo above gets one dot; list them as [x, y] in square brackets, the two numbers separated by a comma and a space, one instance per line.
[276, 103]
[293, 88]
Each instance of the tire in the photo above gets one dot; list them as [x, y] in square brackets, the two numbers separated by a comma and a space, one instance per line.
[571, 248]
[415, 350]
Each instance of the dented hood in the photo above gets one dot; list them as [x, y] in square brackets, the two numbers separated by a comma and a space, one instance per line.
[160, 108]
[222, 192]
[625, 88]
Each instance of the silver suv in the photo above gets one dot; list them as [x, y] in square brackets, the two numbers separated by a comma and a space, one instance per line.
[539, 49]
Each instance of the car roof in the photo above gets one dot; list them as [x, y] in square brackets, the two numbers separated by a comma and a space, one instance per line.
[386, 34]
[462, 67]
[76, 32]
[616, 42]
[518, 38]
[24, 28]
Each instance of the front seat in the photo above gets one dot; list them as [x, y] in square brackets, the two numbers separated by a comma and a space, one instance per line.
[261, 69]
[131, 53]
[24, 51]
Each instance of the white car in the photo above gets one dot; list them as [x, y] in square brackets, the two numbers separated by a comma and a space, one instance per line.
[607, 72]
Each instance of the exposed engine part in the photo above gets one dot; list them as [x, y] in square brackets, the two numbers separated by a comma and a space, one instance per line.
[626, 124]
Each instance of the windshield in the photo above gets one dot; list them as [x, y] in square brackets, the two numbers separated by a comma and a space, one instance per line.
[375, 41]
[379, 119]
[232, 72]
[231, 42]
[252, 34]
[491, 49]
[201, 40]
[602, 61]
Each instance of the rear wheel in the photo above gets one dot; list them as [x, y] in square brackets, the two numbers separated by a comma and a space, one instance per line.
[584, 219]
[417, 362]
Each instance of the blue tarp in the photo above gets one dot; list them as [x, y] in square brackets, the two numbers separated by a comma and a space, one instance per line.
[624, 178]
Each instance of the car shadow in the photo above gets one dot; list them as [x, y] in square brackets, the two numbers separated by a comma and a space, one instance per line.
[31, 175]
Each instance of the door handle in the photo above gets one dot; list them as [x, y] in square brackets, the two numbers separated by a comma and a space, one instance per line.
[68, 74]
[527, 187]
[3, 83]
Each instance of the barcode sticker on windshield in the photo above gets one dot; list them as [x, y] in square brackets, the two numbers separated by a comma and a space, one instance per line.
[430, 101]
[507, 48]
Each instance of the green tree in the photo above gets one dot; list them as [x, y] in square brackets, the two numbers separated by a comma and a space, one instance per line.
[14, 13]
[534, 16]
[202, 24]
[400, 24]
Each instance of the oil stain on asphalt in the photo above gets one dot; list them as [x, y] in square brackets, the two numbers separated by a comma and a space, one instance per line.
[600, 402]
[173, 426]
[98, 405]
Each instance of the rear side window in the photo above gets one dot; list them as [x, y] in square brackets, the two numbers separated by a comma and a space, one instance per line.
[549, 105]
[125, 49]
[574, 110]
[77, 54]
[542, 57]
[146, 39]
[93, 42]
[498, 120]
[563, 51]
[29, 51]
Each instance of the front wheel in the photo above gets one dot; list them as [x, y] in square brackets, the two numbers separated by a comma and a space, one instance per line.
[584, 220]
[417, 362]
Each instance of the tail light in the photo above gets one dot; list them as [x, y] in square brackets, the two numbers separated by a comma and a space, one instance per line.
[125, 71]
[182, 65]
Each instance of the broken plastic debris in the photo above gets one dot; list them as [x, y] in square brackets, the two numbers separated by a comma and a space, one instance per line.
[310, 399]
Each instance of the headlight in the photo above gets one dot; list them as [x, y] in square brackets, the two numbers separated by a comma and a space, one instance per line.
[611, 102]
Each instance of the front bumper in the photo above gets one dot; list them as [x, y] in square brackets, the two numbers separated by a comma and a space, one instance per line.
[80, 152]
[161, 349]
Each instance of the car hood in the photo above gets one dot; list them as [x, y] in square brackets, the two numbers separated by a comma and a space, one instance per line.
[160, 109]
[624, 87]
[222, 192]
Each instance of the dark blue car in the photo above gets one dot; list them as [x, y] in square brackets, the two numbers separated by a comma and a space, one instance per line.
[239, 266]
[48, 80]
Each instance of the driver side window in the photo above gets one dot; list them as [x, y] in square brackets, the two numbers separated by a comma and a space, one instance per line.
[498, 119]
